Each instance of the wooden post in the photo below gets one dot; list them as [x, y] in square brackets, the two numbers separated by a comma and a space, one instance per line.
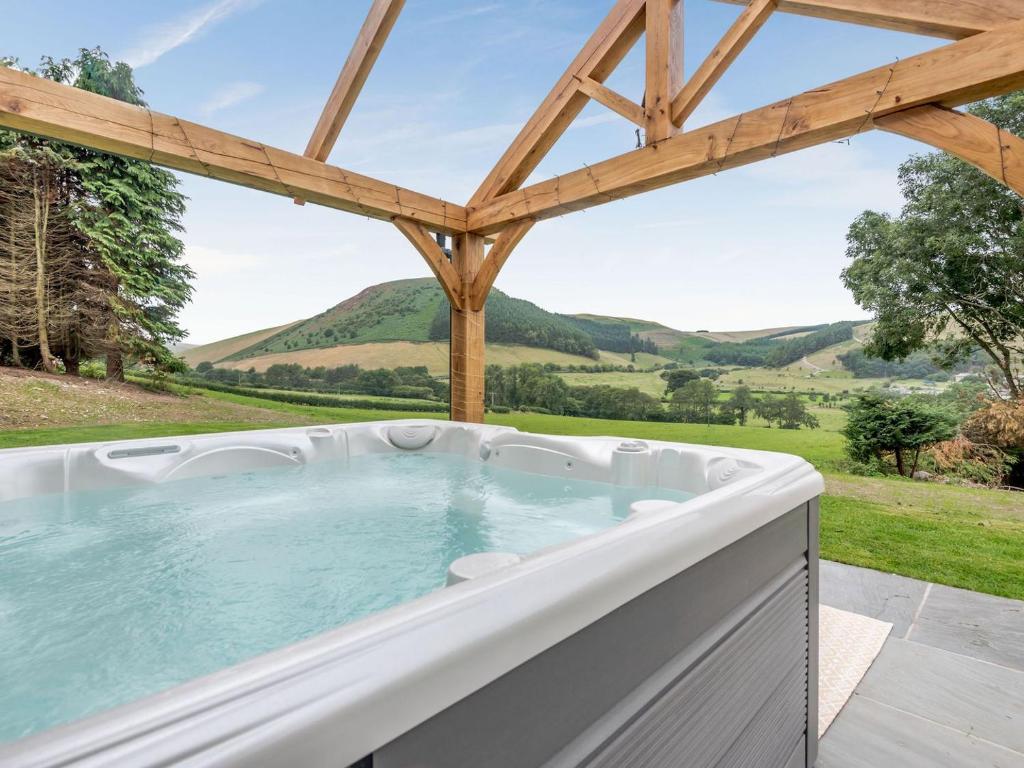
[664, 66]
[466, 368]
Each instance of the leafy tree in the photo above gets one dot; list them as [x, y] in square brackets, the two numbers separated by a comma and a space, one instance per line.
[677, 377]
[286, 376]
[794, 414]
[695, 401]
[342, 374]
[952, 261]
[603, 402]
[770, 409]
[741, 403]
[879, 426]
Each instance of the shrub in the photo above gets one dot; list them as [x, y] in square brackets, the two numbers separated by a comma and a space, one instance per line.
[880, 426]
[978, 463]
[330, 401]
[93, 369]
[999, 423]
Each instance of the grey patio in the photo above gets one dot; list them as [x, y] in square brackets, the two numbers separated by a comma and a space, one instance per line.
[946, 691]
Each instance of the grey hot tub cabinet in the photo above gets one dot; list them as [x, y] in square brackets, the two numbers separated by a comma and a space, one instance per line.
[715, 667]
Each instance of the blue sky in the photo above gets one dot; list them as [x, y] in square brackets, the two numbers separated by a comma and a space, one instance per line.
[754, 247]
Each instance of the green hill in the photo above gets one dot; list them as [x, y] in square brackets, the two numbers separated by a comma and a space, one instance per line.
[416, 311]
[406, 322]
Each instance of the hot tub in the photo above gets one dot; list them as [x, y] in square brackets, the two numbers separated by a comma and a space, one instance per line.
[403, 594]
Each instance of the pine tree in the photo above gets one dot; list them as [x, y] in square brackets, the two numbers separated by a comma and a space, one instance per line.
[108, 273]
[131, 212]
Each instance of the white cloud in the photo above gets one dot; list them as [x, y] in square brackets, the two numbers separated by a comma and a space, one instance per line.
[840, 176]
[448, 18]
[171, 34]
[207, 261]
[231, 95]
[589, 122]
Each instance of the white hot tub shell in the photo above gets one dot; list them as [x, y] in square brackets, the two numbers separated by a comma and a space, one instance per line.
[685, 635]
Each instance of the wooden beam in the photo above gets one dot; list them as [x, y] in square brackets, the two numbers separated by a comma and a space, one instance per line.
[987, 147]
[379, 22]
[978, 67]
[367, 47]
[466, 359]
[615, 101]
[602, 53]
[953, 19]
[435, 257]
[507, 241]
[664, 36]
[42, 107]
[719, 60]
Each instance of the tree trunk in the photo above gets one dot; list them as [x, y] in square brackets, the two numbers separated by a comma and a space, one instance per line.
[72, 356]
[115, 365]
[13, 288]
[917, 458]
[40, 222]
[899, 462]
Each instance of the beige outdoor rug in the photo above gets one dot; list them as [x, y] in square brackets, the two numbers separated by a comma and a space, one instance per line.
[847, 644]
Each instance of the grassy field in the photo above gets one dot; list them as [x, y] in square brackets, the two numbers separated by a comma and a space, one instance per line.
[798, 378]
[649, 382]
[432, 354]
[963, 537]
[762, 379]
[220, 349]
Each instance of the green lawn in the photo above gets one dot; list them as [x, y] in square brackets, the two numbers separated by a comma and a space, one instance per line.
[959, 549]
[822, 448]
[963, 537]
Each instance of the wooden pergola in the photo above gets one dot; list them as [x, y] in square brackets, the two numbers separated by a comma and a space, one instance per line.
[914, 97]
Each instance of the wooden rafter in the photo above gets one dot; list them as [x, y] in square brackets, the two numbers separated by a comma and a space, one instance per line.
[664, 66]
[431, 252]
[602, 53]
[614, 100]
[953, 19]
[721, 57]
[367, 47]
[507, 241]
[978, 67]
[998, 153]
[43, 107]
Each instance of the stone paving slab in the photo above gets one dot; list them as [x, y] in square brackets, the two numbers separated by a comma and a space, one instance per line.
[883, 596]
[869, 734]
[974, 697]
[976, 625]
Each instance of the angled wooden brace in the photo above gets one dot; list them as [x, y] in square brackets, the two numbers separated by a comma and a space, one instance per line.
[431, 252]
[615, 101]
[954, 19]
[506, 242]
[992, 150]
[367, 47]
[609, 44]
[721, 57]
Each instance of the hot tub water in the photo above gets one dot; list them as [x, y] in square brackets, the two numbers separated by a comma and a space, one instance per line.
[106, 596]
